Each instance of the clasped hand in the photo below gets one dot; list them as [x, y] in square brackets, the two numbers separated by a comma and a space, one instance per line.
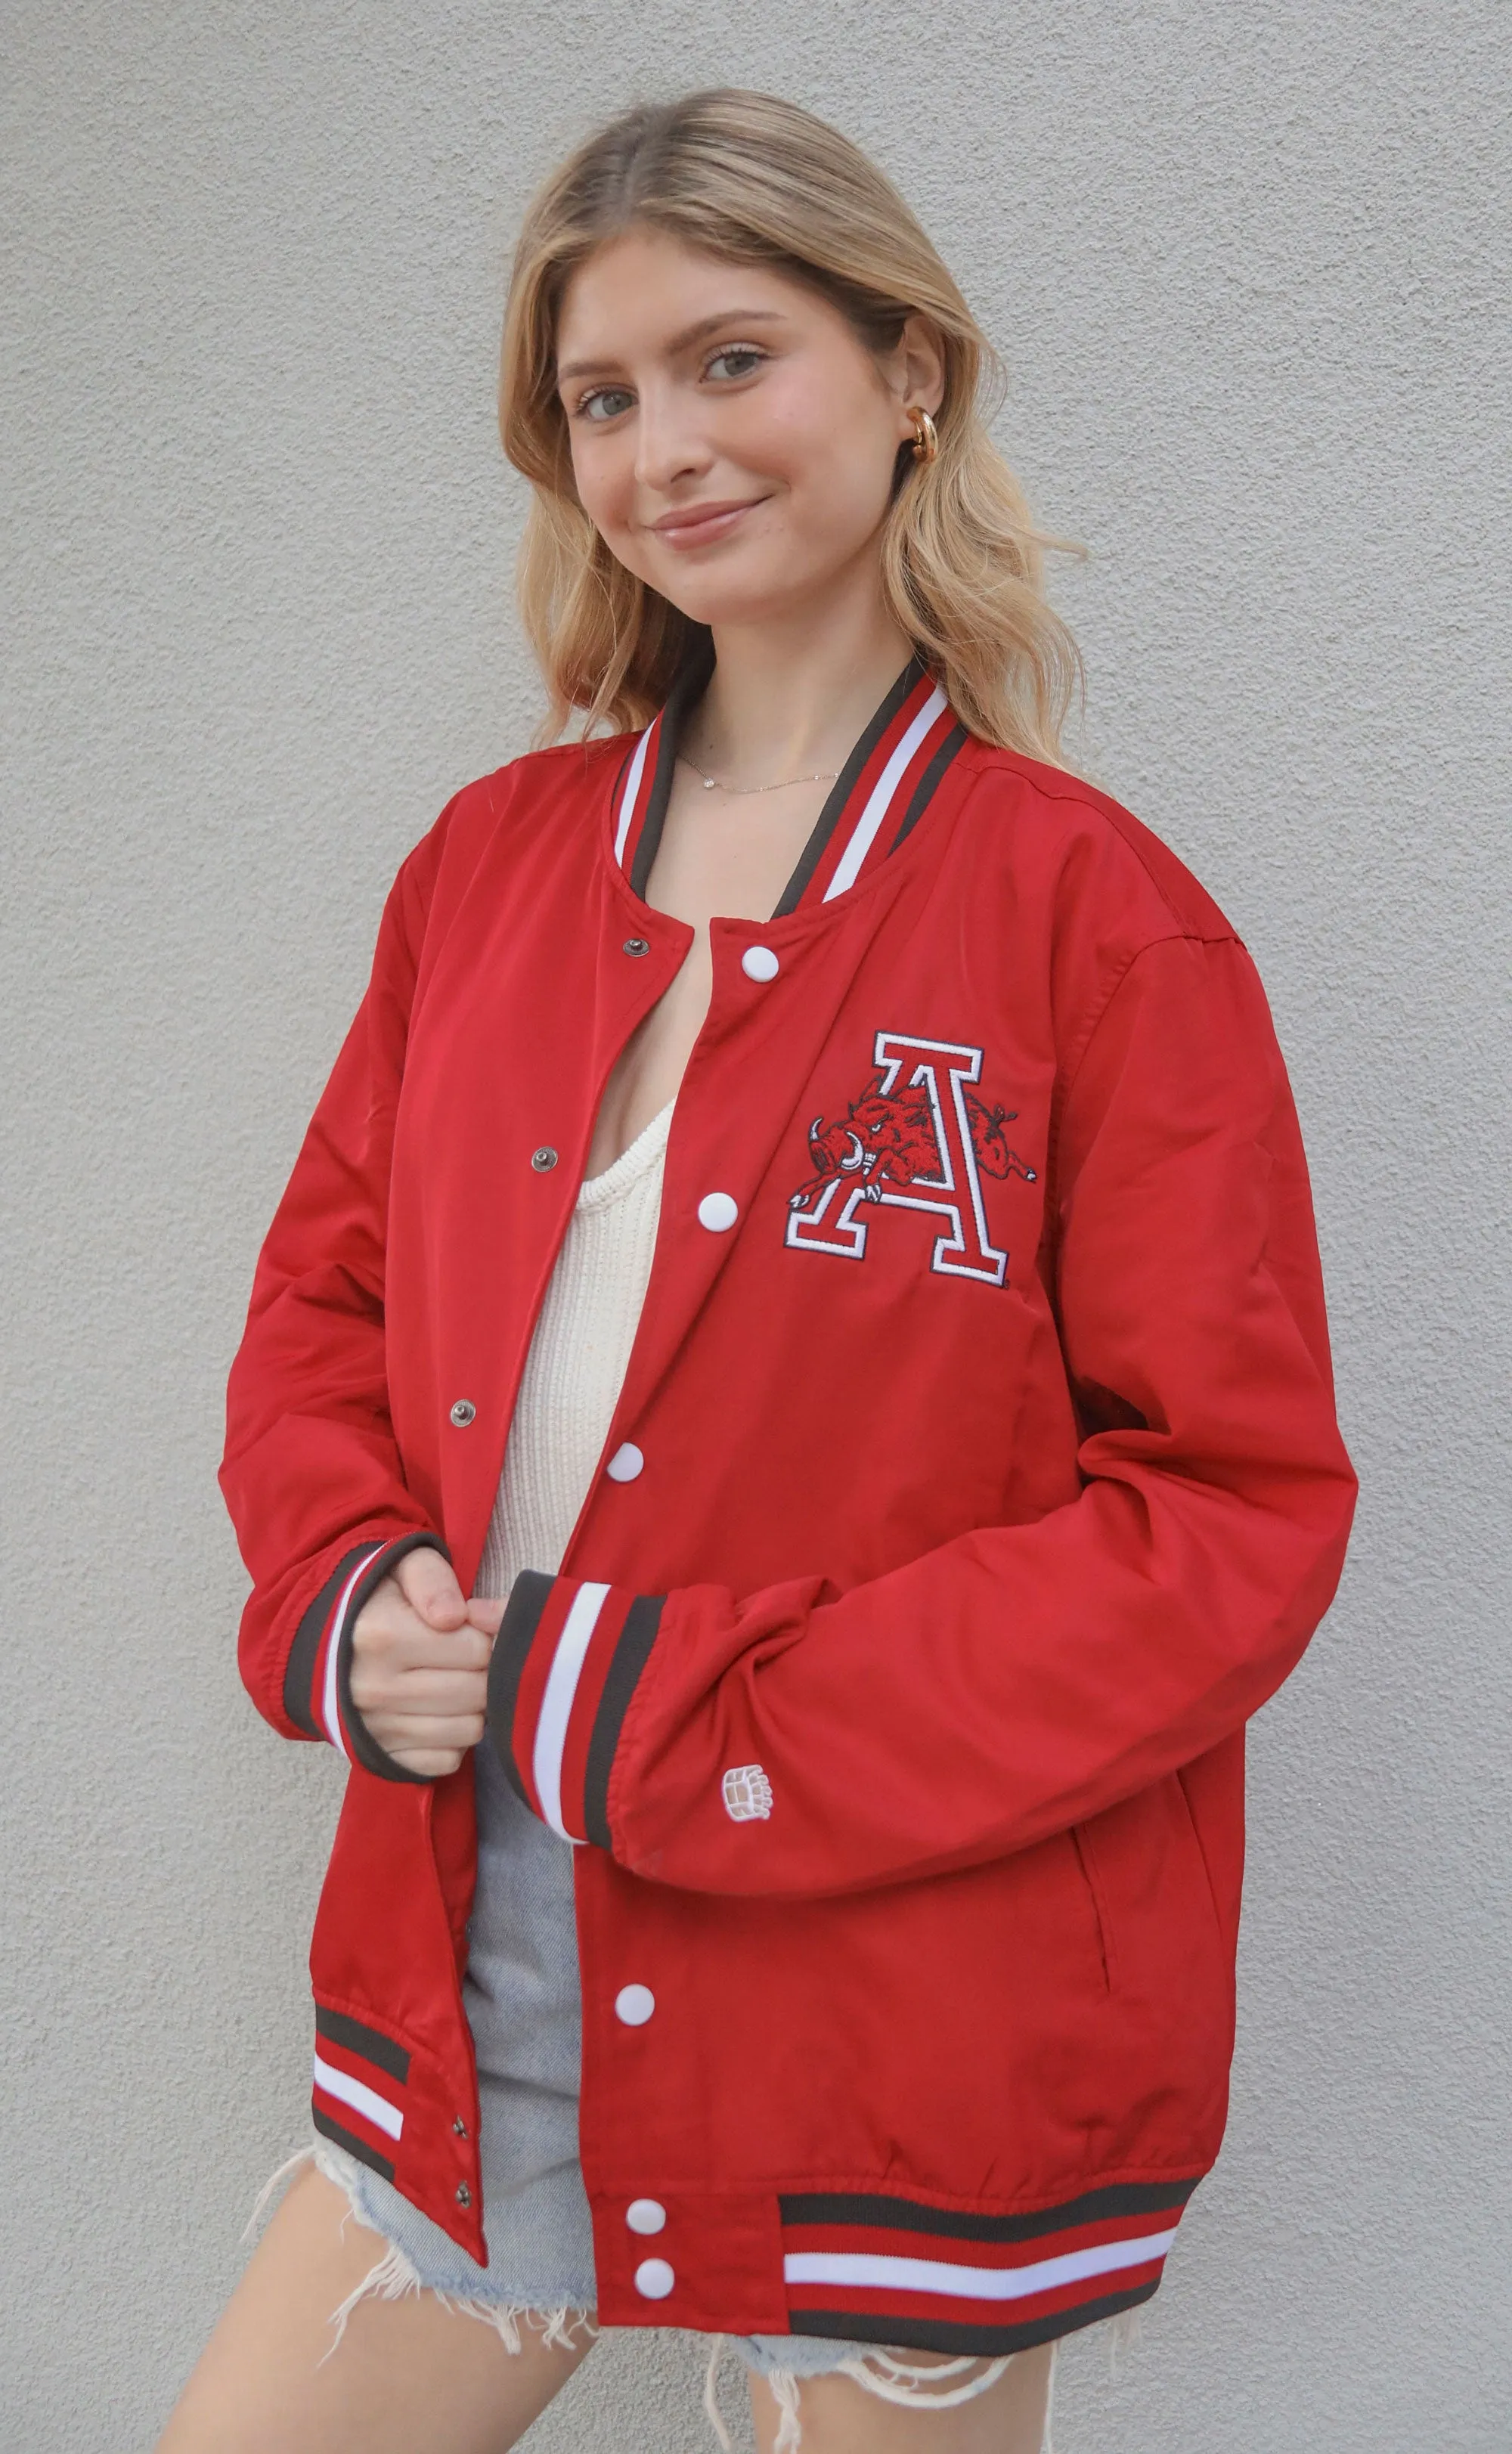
[419, 1665]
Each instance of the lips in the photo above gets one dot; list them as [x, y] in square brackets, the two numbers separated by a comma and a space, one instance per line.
[698, 524]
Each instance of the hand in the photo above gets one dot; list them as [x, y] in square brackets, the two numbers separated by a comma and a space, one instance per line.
[419, 1666]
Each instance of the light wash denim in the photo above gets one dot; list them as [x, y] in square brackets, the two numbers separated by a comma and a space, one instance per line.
[525, 2008]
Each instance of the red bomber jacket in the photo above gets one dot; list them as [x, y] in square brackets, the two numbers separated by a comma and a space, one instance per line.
[974, 1479]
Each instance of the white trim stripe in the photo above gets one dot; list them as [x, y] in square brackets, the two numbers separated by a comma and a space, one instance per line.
[881, 794]
[366, 2101]
[330, 1698]
[877, 2274]
[556, 1704]
[627, 799]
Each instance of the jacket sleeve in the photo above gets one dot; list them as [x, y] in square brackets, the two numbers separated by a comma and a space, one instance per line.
[1023, 1676]
[311, 1472]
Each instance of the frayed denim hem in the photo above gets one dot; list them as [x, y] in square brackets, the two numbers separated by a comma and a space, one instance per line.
[395, 2275]
[784, 2362]
[892, 2377]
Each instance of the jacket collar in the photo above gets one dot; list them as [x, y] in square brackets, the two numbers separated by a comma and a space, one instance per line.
[879, 797]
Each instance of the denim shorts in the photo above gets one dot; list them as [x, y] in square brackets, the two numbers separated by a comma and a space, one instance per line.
[523, 2000]
[418, 2256]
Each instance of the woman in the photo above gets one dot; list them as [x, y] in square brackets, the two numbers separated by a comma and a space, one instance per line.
[785, 1415]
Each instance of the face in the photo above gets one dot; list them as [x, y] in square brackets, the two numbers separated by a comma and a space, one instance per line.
[733, 441]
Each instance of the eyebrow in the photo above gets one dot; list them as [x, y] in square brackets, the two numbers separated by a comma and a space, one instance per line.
[680, 341]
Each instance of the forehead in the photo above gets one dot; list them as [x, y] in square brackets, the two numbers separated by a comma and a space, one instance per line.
[641, 292]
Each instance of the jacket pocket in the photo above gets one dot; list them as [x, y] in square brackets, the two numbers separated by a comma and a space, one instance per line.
[1092, 1875]
[1193, 1828]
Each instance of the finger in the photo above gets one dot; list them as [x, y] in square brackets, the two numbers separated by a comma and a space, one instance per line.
[427, 1762]
[431, 1691]
[429, 1585]
[418, 1648]
[485, 1611]
[398, 1641]
[398, 1733]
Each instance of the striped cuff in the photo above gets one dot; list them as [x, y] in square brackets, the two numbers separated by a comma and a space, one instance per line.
[317, 1682]
[567, 1660]
[878, 2269]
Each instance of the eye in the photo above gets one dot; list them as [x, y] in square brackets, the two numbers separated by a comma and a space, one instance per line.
[738, 358]
[611, 400]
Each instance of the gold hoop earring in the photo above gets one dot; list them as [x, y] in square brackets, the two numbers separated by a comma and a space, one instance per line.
[926, 441]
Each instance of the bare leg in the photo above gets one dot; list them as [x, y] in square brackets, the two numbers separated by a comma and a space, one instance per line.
[409, 2377]
[840, 2416]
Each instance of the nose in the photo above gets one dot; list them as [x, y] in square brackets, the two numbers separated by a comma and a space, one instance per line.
[670, 443]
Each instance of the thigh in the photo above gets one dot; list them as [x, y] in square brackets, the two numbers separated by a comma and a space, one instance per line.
[408, 2377]
[837, 2416]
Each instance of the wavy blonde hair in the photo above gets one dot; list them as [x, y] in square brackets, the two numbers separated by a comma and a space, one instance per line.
[755, 180]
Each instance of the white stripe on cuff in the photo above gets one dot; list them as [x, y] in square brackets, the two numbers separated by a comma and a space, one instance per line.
[330, 1697]
[877, 2273]
[339, 2083]
[556, 1704]
[881, 794]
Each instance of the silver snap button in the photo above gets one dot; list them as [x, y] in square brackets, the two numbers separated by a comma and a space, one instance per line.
[463, 1413]
[460, 2127]
[543, 1159]
[464, 2195]
[637, 945]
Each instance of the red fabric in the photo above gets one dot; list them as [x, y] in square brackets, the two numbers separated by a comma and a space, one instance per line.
[986, 1576]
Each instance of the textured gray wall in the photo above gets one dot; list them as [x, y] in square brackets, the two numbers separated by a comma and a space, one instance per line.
[1241, 262]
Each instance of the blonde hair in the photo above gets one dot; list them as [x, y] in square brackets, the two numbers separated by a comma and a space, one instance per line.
[755, 180]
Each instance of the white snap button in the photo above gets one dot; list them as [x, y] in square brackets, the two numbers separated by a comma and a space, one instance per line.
[717, 1211]
[645, 2215]
[625, 1463]
[654, 2279]
[634, 2005]
[759, 963]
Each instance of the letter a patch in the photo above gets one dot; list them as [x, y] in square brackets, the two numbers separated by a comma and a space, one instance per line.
[918, 1137]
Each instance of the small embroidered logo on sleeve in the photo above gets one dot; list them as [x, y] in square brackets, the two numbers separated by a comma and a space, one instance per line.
[746, 1793]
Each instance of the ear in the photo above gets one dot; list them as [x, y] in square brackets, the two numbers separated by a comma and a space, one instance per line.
[917, 377]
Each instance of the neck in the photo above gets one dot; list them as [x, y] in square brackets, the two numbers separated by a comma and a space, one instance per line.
[789, 697]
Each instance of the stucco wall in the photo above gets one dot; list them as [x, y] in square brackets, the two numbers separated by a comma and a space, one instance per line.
[1242, 264]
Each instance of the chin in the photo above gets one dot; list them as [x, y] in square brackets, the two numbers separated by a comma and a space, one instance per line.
[722, 599]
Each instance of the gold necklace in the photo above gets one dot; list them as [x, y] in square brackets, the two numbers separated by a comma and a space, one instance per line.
[742, 792]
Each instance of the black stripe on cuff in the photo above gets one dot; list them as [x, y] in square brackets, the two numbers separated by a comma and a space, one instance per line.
[357, 2038]
[956, 739]
[939, 2335]
[300, 1670]
[353, 2145]
[905, 2215]
[632, 1653]
[529, 1595]
[365, 1748]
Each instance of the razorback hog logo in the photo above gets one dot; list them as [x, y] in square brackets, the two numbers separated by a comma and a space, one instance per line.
[918, 1137]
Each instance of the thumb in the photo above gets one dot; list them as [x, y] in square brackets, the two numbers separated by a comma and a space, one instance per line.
[429, 1586]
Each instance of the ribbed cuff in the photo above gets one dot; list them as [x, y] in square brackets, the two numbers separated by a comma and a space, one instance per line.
[568, 1659]
[317, 1680]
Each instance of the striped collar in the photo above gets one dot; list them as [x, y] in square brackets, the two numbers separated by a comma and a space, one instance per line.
[879, 797]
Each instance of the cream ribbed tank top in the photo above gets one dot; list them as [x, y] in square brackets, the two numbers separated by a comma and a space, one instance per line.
[576, 1363]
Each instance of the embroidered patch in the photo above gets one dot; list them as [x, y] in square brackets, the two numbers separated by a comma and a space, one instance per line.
[746, 1793]
[918, 1137]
